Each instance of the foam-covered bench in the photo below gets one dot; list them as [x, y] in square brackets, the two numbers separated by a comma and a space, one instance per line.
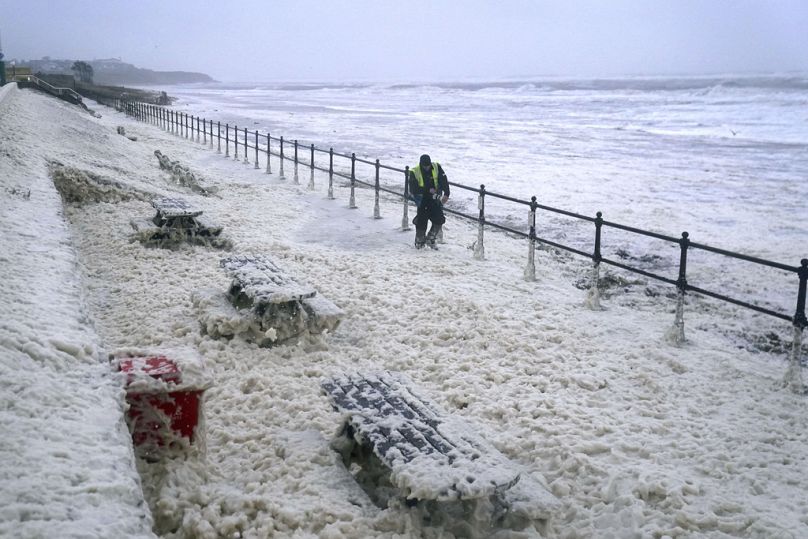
[177, 221]
[264, 304]
[403, 448]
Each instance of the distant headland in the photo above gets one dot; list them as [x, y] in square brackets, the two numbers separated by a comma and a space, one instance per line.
[113, 71]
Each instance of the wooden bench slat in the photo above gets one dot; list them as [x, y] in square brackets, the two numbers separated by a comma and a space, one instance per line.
[426, 450]
[174, 207]
[427, 439]
[432, 440]
[263, 281]
[412, 408]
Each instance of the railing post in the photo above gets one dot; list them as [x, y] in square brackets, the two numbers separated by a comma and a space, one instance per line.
[676, 334]
[218, 137]
[269, 153]
[530, 269]
[593, 298]
[280, 174]
[311, 177]
[297, 181]
[331, 174]
[479, 248]
[352, 200]
[227, 140]
[793, 378]
[246, 157]
[376, 211]
[405, 219]
[185, 124]
[235, 143]
[256, 150]
[191, 129]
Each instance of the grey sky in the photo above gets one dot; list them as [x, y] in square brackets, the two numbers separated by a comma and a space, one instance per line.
[255, 40]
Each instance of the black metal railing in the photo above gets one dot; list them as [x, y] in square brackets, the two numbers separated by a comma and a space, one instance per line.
[202, 130]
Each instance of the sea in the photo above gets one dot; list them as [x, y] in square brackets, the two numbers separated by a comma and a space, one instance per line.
[724, 158]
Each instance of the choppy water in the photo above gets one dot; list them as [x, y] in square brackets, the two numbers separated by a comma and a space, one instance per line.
[725, 158]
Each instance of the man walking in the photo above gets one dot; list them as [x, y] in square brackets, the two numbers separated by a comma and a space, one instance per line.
[429, 188]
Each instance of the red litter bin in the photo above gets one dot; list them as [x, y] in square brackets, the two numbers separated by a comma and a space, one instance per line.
[164, 415]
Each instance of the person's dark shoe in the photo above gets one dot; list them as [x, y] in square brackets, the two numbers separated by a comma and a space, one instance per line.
[420, 239]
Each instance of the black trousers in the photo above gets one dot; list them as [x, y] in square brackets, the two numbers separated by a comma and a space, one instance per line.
[428, 210]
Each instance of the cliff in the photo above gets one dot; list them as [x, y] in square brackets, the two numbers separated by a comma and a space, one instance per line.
[115, 72]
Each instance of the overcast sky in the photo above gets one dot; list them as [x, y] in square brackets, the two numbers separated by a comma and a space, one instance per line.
[415, 40]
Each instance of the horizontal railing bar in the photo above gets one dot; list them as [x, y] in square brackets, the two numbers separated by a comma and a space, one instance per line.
[460, 214]
[506, 197]
[747, 258]
[466, 187]
[637, 270]
[564, 247]
[392, 192]
[641, 232]
[388, 167]
[346, 156]
[740, 303]
[565, 212]
[506, 228]
[360, 160]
